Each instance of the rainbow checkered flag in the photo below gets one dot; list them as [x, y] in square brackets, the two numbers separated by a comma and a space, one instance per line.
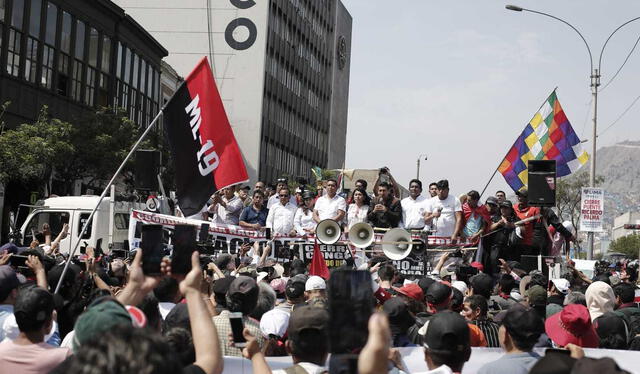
[548, 136]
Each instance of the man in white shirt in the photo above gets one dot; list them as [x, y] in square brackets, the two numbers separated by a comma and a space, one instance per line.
[280, 217]
[282, 183]
[444, 212]
[414, 207]
[330, 205]
[226, 208]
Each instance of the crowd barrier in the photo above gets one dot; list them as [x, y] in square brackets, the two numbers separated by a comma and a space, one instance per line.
[414, 360]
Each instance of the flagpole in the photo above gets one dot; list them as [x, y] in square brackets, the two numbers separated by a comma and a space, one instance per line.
[104, 193]
[505, 156]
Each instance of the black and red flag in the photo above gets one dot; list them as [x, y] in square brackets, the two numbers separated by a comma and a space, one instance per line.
[205, 153]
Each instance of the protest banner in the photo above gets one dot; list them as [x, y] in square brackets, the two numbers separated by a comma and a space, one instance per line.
[224, 238]
[591, 209]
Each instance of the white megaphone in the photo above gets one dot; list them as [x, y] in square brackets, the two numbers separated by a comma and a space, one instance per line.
[328, 231]
[361, 235]
[397, 244]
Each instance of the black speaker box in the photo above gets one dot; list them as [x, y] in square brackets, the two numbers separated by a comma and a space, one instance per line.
[542, 182]
[146, 169]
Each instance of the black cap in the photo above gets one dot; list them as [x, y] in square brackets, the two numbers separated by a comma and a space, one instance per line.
[553, 363]
[223, 260]
[307, 318]
[438, 293]
[506, 204]
[523, 192]
[491, 200]
[178, 317]
[424, 283]
[221, 286]
[242, 285]
[523, 323]
[481, 282]
[442, 184]
[294, 290]
[33, 306]
[308, 195]
[447, 332]
[399, 317]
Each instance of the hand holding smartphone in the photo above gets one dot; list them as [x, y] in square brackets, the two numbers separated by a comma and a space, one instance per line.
[184, 244]
[237, 325]
[151, 246]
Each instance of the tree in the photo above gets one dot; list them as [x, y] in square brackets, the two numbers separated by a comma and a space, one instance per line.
[629, 245]
[31, 152]
[569, 194]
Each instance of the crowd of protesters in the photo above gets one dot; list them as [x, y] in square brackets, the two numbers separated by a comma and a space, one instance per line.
[110, 317]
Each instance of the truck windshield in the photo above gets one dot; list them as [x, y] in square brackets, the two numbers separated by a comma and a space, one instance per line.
[55, 221]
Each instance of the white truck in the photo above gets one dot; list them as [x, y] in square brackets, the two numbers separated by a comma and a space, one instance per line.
[108, 230]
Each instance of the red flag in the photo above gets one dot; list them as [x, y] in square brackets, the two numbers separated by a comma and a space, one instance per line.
[204, 149]
[318, 265]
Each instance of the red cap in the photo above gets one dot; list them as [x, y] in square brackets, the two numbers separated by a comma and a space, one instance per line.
[477, 265]
[411, 290]
[572, 325]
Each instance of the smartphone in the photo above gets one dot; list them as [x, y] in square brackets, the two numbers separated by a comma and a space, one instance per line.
[184, 244]
[351, 303]
[203, 236]
[558, 351]
[267, 233]
[17, 260]
[237, 326]
[151, 246]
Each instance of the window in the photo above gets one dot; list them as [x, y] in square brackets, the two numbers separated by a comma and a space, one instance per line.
[65, 59]
[3, 8]
[106, 54]
[93, 47]
[31, 60]
[34, 18]
[48, 53]
[90, 86]
[83, 220]
[13, 52]
[78, 66]
[17, 15]
[54, 219]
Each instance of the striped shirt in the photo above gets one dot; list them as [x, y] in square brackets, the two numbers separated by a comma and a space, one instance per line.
[490, 330]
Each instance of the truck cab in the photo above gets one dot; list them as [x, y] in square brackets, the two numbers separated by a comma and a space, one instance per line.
[108, 228]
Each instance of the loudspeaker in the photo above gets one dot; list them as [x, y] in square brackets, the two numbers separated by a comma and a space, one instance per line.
[147, 166]
[542, 182]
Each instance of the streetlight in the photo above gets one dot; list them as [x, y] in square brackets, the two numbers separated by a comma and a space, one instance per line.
[418, 162]
[595, 83]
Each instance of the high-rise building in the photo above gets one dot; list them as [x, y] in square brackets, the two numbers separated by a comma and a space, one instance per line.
[282, 69]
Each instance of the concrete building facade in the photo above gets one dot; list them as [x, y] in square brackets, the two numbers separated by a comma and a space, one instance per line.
[282, 69]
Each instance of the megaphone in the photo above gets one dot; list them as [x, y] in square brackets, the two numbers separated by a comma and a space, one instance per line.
[361, 235]
[397, 244]
[328, 231]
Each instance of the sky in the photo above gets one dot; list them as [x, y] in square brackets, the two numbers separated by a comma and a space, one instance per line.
[459, 80]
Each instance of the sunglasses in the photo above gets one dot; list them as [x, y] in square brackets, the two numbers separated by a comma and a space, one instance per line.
[284, 195]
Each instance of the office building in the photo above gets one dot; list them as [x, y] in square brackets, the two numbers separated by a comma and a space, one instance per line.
[282, 69]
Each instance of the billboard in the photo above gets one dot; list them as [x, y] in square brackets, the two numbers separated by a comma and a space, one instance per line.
[591, 209]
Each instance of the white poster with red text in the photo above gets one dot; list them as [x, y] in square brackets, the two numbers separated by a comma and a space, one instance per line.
[592, 209]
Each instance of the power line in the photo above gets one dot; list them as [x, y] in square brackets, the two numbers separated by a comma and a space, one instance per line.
[621, 66]
[620, 116]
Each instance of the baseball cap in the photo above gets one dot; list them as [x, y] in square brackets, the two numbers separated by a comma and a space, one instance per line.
[8, 281]
[274, 322]
[537, 295]
[424, 283]
[308, 195]
[481, 283]
[572, 325]
[492, 200]
[523, 323]
[562, 285]
[506, 204]
[478, 265]
[278, 285]
[447, 271]
[438, 293]
[411, 290]
[399, 317]
[178, 317]
[447, 332]
[221, 286]
[315, 283]
[460, 286]
[307, 318]
[223, 260]
[294, 289]
[243, 286]
[523, 192]
[442, 184]
[102, 315]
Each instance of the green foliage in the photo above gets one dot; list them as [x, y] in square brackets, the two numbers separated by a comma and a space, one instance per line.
[31, 151]
[629, 245]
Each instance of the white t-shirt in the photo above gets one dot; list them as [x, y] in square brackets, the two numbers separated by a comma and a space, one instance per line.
[356, 214]
[276, 199]
[446, 223]
[328, 207]
[303, 221]
[413, 212]
[280, 218]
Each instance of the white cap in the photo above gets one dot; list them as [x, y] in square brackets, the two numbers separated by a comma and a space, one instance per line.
[562, 285]
[460, 286]
[261, 276]
[274, 322]
[315, 283]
